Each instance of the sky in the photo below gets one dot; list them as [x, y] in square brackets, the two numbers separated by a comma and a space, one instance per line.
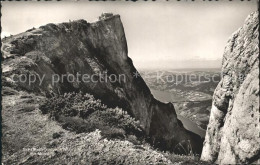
[161, 34]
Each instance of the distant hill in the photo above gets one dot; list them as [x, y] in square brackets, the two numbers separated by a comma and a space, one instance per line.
[173, 64]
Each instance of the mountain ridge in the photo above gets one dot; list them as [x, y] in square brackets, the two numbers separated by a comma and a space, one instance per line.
[78, 46]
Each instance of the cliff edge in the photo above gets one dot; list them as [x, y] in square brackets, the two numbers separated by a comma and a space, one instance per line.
[233, 131]
[57, 53]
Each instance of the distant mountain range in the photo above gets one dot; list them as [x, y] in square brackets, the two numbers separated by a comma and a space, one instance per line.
[173, 64]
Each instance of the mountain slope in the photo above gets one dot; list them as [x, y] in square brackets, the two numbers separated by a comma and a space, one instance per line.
[59, 52]
[233, 131]
[32, 138]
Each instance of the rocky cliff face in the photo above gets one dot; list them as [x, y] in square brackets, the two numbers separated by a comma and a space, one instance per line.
[233, 131]
[57, 53]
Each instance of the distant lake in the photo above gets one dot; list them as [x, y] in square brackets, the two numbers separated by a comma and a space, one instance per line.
[191, 126]
[165, 96]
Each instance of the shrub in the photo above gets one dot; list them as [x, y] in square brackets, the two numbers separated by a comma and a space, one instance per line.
[56, 135]
[72, 104]
[118, 118]
[184, 147]
[83, 113]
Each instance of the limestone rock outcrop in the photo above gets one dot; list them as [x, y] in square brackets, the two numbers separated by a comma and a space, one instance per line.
[233, 133]
[55, 52]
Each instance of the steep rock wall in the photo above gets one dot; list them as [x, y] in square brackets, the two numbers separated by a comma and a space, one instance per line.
[233, 131]
[91, 48]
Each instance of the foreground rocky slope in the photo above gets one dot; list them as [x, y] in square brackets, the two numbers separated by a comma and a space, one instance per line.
[98, 49]
[44, 141]
[32, 138]
[233, 131]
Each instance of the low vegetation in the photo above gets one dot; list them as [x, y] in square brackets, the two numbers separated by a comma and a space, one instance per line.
[76, 129]
[83, 113]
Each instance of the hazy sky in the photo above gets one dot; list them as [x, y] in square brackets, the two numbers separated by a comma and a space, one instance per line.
[159, 34]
